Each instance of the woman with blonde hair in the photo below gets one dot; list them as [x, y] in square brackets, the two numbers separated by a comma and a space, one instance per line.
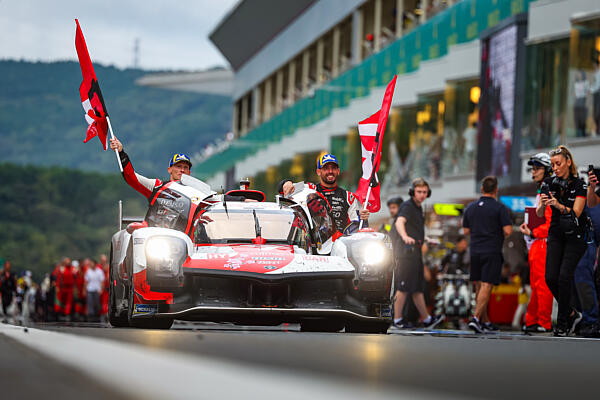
[565, 193]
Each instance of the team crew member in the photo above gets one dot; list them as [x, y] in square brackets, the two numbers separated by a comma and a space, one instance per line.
[593, 193]
[178, 165]
[585, 284]
[539, 309]
[66, 284]
[409, 276]
[488, 222]
[458, 258]
[565, 194]
[8, 287]
[344, 205]
[393, 204]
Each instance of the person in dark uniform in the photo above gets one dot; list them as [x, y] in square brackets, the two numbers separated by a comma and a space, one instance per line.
[487, 222]
[565, 194]
[344, 205]
[409, 276]
[393, 204]
[458, 258]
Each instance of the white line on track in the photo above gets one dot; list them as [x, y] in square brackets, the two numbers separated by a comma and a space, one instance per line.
[151, 373]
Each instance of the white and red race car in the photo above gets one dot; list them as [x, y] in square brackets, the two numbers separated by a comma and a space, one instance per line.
[198, 257]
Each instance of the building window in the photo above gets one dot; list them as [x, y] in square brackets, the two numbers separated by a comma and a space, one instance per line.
[583, 109]
[545, 100]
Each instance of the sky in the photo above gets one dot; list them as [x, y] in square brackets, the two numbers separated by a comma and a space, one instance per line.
[173, 35]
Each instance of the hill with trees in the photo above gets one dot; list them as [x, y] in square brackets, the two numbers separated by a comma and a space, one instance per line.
[51, 212]
[42, 121]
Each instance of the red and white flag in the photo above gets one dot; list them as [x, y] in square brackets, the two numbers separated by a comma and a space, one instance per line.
[371, 132]
[91, 96]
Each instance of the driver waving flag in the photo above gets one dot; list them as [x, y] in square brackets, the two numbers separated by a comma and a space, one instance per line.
[344, 205]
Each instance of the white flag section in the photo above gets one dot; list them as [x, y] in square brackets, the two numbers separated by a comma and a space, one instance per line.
[367, 130]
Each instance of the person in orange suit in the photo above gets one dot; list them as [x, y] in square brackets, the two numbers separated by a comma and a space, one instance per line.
[66, 285]
[539, 309]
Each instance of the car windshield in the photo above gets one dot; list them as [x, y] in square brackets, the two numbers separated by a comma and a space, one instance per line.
[170, 210]
[283, 226]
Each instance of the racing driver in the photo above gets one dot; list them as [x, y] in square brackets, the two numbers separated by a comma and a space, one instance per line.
[179, 164]
[344, 205]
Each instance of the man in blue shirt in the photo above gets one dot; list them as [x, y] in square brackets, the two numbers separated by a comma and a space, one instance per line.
[584, 280]
[488, 223]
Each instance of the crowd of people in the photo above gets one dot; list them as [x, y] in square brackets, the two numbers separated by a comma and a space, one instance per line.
[562, 246]
[75, 290]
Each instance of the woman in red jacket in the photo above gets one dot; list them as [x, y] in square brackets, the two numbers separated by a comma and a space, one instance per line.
[539, 309]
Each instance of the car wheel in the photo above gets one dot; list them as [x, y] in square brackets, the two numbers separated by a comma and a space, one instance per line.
[145, 323]
[321, 325]
[116, 320]
[367, 327]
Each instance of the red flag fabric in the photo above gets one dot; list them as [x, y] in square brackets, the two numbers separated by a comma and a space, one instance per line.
[91, 96]
[371, 131]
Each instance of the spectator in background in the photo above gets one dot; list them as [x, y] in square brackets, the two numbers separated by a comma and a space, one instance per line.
[94, 283]
[8, 287]
[539, 310]
[487, 222]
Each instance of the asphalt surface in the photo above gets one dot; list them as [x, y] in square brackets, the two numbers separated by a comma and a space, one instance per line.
[26, 374]
[496, 366]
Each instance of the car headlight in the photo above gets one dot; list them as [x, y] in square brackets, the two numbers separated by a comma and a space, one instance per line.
[373, 253]
[165, 254]
[371, 256]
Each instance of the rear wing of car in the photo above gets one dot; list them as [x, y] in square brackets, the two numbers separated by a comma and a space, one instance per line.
[126, 220]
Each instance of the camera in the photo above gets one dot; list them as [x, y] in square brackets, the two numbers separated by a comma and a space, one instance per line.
[556, 186]
[596, 171]
[545, 189]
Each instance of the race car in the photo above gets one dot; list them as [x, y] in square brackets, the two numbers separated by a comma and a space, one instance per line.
[197, 256]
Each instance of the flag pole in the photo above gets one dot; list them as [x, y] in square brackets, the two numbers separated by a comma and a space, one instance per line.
[112, 136]
[370, 185]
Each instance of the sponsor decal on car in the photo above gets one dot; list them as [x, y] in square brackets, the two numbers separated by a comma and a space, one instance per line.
[138, 241]
[145, 309]
[383, 310]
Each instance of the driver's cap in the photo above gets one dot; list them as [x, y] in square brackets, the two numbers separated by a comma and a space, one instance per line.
[178, 157]
[326, 158]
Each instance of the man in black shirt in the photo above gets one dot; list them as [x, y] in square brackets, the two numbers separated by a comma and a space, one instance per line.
[408, 274]
[488, 223]
[458, 258]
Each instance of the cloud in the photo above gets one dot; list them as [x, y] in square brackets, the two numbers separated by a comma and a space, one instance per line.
[173, 35]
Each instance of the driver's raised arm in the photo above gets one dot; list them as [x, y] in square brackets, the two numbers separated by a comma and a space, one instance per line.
[140, 183]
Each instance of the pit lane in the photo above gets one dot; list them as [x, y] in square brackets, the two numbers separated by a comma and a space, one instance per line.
[458, 363]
